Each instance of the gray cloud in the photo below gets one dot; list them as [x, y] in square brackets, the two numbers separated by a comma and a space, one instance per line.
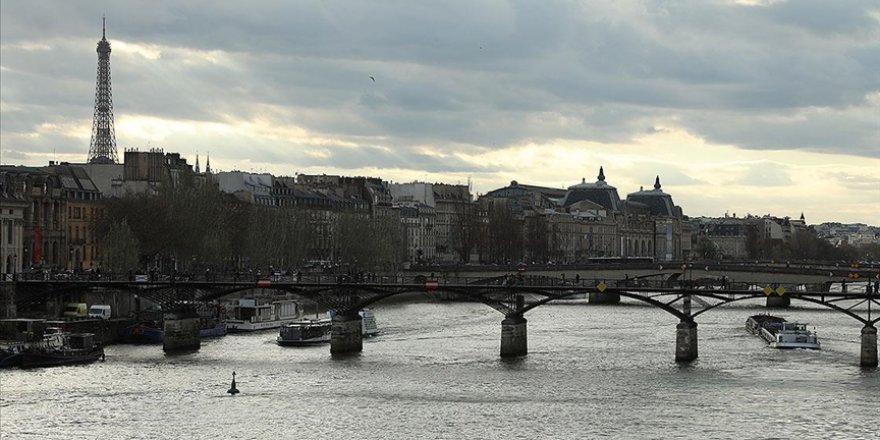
[375, 157]
[462, 77]
[826, 17]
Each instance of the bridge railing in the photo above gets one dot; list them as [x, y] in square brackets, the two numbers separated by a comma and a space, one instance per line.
[515, 279]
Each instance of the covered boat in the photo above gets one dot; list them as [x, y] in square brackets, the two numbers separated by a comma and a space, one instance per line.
[780, 333]
[145, 332]
[318, 331]
[65, 349]
[212, 328]
[305, 332]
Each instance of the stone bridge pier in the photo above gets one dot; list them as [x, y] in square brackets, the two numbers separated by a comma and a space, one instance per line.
[604, 298]
[869, 347]
[686, 341]
[776, 301]
[346, 333]
[514, 340]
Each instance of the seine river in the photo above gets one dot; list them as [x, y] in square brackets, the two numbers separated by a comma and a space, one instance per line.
[435, 373]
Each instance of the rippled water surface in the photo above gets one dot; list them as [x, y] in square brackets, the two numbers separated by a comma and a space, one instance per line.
[434, 373]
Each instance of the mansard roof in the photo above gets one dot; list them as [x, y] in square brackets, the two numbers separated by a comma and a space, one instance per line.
[540, 196]
[657, 201]
[519, 187]
[599, 193]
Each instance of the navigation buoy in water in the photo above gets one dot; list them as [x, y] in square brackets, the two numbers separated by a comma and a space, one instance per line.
[233, 390]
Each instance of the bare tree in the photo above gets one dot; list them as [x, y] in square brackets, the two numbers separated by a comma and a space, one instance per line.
[537, 238]
[505, 233]
[119, 248]
[465, 231]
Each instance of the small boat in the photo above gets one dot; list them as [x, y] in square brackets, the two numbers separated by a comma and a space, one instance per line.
[213, 320]
[63, 349]
[142, 333]
[780, 333]
[212, 329]
[11, 356]
[305, 332]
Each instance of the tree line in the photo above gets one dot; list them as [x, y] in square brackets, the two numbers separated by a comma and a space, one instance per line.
[803, 245]
[190, 228]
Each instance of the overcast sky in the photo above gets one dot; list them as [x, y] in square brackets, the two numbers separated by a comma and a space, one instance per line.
[760, 107]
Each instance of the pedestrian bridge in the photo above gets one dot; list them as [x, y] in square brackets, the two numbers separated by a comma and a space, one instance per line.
[512, 295]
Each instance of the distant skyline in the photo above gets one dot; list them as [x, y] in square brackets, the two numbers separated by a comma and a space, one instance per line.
[746, 107]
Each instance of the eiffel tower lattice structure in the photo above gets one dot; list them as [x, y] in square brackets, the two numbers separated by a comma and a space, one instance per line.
[102, 148]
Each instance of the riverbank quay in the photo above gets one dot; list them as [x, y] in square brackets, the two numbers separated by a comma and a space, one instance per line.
[752, 271]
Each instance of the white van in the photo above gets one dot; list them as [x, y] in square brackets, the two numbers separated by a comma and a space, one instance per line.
[100, 311]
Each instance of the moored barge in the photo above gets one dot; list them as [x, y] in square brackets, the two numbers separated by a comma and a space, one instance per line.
[74, 348]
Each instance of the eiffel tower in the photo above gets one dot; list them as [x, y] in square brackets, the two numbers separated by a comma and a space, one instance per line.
[102, 148]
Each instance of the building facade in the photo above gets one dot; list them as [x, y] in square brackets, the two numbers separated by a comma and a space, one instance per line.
[82, 211]
[589, 220]
[12, 223]
[454, 213]
[418, 221]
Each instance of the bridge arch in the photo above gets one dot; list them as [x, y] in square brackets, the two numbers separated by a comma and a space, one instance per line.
[665, 307]
[832, 306]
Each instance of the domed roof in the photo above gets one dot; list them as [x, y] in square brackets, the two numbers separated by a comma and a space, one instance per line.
[600, 182]
[656, 200]
[599, 192]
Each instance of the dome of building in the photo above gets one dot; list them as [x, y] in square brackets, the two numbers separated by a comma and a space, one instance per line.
[599, 193]
[656, 200]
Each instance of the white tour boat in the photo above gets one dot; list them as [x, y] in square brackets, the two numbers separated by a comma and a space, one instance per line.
[317, 331]
[305, 332]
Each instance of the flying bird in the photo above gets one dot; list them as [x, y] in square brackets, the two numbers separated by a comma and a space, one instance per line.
[374, 79]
